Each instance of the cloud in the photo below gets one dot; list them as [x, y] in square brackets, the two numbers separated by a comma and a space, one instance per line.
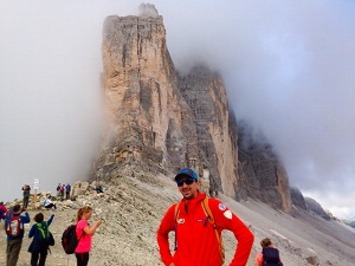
[288, 67]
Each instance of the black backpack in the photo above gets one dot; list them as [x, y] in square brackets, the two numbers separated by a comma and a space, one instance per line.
[271, 257]
[69, 239]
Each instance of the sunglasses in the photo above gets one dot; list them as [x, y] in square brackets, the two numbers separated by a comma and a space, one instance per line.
[187, 181]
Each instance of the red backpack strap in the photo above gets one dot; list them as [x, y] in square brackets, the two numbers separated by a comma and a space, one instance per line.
[176, 212]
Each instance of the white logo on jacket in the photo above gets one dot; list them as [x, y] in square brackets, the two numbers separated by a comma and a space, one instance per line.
[228, 214]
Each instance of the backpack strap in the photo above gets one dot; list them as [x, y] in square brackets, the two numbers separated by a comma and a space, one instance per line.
[41, 230]
[210, 219]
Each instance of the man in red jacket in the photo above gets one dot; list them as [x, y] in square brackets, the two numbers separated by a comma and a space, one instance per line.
[198, 224]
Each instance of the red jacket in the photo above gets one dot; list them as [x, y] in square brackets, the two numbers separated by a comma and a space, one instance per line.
[197, 244]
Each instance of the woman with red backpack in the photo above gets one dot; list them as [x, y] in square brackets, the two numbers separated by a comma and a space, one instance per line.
[84, 232]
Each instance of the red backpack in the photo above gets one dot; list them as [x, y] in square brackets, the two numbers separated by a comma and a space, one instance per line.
[14, 226]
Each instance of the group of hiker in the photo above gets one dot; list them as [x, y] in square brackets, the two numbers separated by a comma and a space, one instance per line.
[15, 220]
[63, 191]
[197, 222]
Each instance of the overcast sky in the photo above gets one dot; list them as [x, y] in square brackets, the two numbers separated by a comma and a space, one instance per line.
[289, 69]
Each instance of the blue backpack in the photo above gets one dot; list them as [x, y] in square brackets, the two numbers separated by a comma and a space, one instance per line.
[271, 257]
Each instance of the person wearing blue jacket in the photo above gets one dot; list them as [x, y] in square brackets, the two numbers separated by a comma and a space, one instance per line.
[14, 226]
[39, 245]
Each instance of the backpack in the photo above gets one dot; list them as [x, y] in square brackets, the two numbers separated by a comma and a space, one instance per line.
[209, 216]
[271, 257]
[69, 239]
[46, 235]
[14, 226]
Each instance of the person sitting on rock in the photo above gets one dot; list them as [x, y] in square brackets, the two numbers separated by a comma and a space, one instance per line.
[48, 204]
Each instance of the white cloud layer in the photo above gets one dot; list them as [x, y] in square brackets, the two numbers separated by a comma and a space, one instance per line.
[288, 65]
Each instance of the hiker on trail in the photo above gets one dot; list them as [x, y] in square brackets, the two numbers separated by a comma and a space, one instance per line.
[198, 222]
[3, 210]
[67, 191]
[39, 245]
[84, 233]
[26, 195]
[48, 204]
[14, 226]
[269, 256]
[60, 191]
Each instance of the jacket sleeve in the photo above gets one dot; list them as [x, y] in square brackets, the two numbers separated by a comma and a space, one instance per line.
[225, 219]
[259, 259]
[25, 218]
[166, 226]
[50, 220]
[32, 231]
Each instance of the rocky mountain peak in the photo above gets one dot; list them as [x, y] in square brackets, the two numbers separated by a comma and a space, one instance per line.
[160, 120]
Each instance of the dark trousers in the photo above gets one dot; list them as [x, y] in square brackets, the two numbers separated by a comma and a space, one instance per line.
[42, 258]
[25, 202]
[82, 259]
[12, 251]
[50, 206]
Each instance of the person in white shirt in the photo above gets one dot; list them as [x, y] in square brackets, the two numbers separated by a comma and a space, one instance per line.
[48, 204]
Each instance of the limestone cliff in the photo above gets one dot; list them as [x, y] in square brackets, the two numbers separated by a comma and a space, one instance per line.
[142, 100]
[206, 97]
[159, 120]
[263, 175]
